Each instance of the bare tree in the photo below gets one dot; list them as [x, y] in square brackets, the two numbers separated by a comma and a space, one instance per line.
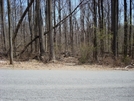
[114, 25]
[95, 52]
[10, 32]
[36, 45]
[108, 25]
[59, 11]
[3, 24]
[30, 24]
[40, 31]
[71, 28]
[125, 30]
[82, 23]
[65, 25]
[49, 16]
[47, 32]
[130, 28]
[100, 8]
[21, 19]
[54, 9]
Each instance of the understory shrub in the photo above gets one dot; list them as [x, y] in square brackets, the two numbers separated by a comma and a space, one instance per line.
[127, 60]
[85, 53]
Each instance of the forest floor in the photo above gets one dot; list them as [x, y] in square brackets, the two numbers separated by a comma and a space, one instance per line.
[69, 63]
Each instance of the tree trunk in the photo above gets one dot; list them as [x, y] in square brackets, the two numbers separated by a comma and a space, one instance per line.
[130, 29]
[47, 32]
[55, 42]
[101, 29]
[114, 25]
[71, 29]
[108, 27]
[36, 30]
[30, 25]
[21, 19]
[59, 11]
[39, 26]
[95, 52]
[131, 32]
[46, 26]
[82, 23]
[65, 32]
[3, 24]
[125, 30]
[10, 32]
[50, 28]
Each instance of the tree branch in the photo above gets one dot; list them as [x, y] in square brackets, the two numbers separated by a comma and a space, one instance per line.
[53, 27]
[21, 19]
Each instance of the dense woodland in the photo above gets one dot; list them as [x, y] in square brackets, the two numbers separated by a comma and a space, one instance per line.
[48, 30]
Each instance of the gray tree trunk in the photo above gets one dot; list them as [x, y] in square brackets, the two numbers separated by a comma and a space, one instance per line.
[3, 24]
[50, 28]
[59, 11]
[82, 23]
[10, 32]
[30, 24]
[71, 28]
[40, 30]
[65, 33]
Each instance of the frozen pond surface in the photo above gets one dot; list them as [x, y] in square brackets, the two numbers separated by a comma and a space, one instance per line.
[59, 85]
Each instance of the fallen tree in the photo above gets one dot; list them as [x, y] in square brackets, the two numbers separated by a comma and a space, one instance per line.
[60, 22]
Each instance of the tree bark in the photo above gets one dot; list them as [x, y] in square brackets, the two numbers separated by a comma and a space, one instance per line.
[39, 27]
[10, 32]
[114, 25]
[130, 29]
[50, 28]
[30, 24]
[71, 28]
[95, 52]
[55, 22]
[36, 45]
[3, 24]
[108, 27]
[65, 33]
[59, 11]
[101, 30]
[82, 24]
[125, 30]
